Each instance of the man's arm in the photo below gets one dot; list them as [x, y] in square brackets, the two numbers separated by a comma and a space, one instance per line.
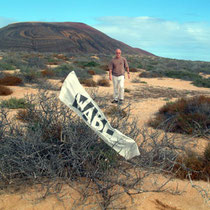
[128, 72]
[127, 68]
[110, 74]
[110, 66]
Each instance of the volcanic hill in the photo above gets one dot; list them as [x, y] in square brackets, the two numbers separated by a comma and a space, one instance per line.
[70, 37]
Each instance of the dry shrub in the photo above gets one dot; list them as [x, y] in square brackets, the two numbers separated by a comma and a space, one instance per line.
[127, 90]
[197, 166]
[5, 91]
[61, 56]
[104, 67]
[24, 115]
[103, 82]
[54, 63]
[186, 115]
[79, 157]
[47, 73]
[88, 82]
[207, 153]
[52, 131]
[91, 72]
[133, 70]
[150, 74]
[115, 110]
[10, 80]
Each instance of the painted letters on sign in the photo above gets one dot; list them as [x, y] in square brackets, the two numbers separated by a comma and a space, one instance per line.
[91, 115]
[75, 97]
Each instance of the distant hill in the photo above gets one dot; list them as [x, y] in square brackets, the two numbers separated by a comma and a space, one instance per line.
[60, 37]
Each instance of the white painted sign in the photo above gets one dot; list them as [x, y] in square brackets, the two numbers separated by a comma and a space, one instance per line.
[75, 97]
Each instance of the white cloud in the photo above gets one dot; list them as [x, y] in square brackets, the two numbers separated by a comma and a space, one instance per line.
[5, 21]
[188, 40]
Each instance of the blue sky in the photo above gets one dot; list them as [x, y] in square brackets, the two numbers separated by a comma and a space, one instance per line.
[176, 29]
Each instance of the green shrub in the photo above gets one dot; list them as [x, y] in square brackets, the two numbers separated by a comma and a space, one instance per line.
[202, 82]
[82, 73]
[13, 60]
[127, 90]
[14, 103]
[6, 66]
[52, 61]
[83, 63]
[184, 75]
[91, 64]
[140, 66]
[63, 70]
[36, 62]
[98, 70]
[29, 74]
[151, 74]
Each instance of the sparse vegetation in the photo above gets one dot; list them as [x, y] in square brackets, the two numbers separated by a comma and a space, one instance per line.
[47, 73]
[57, 147]
[6, 66]
[91, 72]
[12, 61]
[88, 82]
[207, 153]
[133, 70]
[187, 115]
[202, 82]
[53, 146]
[91, 64]
[127, 90]
[103, 82]
[83, 64]
[14, 103]
[63, 70]
[197, 165]
[29, 75]
[104, 67]
[115, 110]
[136, 80]
[164, 67]
[36, 62]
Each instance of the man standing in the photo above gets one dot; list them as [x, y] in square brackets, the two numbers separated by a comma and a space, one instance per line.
[117, 68]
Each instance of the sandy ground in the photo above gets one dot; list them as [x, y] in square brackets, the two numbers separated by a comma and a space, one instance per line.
[172, 83]
[187, 199]
[144, 109]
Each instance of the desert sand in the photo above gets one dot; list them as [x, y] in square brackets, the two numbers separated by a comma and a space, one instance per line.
[144, 108]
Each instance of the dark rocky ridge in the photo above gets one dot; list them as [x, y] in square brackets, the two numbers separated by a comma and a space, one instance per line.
[70, 37]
